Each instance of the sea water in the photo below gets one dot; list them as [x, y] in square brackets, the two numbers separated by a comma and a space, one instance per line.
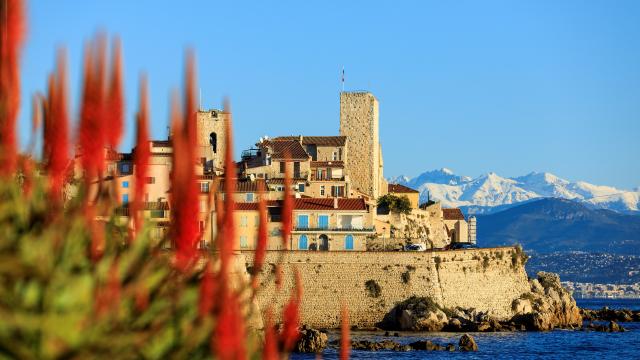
[557, 344]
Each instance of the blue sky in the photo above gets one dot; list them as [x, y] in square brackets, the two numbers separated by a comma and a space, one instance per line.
[503, 86]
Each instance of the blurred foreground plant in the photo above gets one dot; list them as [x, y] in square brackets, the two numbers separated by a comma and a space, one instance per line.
[75, 280]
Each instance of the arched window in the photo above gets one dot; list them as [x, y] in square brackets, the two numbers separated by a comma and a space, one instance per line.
[302, 242]
[348, 242]
[213, 140]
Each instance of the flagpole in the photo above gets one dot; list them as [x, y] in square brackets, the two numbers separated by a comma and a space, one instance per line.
[343, 78]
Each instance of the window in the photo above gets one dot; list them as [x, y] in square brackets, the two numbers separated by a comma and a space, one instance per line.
[301, 187]
[303, 221]
[323, 221]
[303, 243]
[157, 214]
[125, 198]
[243, 241]
[321, 190]
[125, 184]
[337, 191]
[213, 141]
[150, 180]
[339, 153]
[204, 187]
[243, 221]
[348, 242]
[335, 156]
[282, 167]
[249, 197]
[203, 205]
[125, 168]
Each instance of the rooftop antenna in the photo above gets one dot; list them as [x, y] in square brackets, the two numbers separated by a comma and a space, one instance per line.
[342, 78]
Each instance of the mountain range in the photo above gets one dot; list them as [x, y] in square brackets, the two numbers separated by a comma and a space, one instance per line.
[491, 192]
[551, 224]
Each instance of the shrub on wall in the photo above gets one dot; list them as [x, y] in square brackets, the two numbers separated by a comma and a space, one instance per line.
[373, 289]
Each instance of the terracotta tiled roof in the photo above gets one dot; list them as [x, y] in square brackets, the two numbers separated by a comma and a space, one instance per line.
[452, 214]
[160, 143]
[328, 204]
[286, 149]
[334, 164]
[253, 206]
[317, 140]
[245, 185]
[397, 188]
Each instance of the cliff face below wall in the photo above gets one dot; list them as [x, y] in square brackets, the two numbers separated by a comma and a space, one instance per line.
[372, 283]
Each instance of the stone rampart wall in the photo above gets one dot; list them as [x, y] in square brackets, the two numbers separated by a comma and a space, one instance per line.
[371, 283]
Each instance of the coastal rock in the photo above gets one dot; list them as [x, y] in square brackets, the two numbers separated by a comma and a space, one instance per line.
[416, 314]
[432, 320]
[614, 327]
[311, 341]
[467, 343]
[606, 314]
[547, 306]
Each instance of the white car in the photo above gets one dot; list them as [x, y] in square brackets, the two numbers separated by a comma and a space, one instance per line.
[416, 247]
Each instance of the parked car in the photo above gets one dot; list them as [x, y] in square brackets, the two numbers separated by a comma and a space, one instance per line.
[461, 245]
[416, 247]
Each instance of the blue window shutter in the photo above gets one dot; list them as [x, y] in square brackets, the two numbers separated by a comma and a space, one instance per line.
[125, 198]
[125, 184]
[302, 242]
[303, 221]
[323, 221]
[348, 242]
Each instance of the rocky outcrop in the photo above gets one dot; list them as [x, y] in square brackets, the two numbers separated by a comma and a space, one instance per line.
[311, 341]
[606, 314]
[467, 343]
[611, 327]
[546, 306]
[416, 314]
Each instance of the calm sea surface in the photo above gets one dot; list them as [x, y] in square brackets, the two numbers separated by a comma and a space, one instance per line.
[558, 344]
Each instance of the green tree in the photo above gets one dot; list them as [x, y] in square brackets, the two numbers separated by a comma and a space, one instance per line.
[392, 203]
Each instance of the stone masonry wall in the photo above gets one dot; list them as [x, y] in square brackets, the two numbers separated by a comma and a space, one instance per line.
[485, 279]
[208, 122]
[359, 123]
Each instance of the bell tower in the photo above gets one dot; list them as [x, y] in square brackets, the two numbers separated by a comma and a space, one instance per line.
[211, 134]
[359, 122]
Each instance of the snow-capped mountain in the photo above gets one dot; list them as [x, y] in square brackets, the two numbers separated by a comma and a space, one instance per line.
[490, 191]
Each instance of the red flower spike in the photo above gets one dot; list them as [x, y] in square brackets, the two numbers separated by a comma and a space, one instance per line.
[270, 350]
[261, 247]
[291, 315]
[12, 29]
[227, 234]
[141, 154]
[56, 125]
[207, 291]
[92, 114]
[115, 100]
[184, 192]
[228, 340]
[345, 342]
[287, 207]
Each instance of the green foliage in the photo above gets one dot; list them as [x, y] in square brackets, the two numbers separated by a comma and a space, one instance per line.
[373, 289]
[393, 203]
[58, 302]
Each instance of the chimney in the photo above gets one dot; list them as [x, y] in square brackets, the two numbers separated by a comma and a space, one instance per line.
[335, 202]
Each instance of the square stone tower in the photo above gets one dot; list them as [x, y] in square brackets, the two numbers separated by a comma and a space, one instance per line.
[211, 130]
[359, 122]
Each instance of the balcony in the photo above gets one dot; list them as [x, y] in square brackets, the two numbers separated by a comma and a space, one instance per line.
[315, 177]
[333, 229]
